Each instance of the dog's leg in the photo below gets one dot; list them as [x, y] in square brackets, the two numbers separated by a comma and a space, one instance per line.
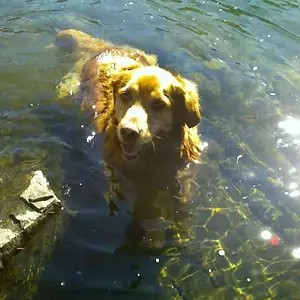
[186, 182]
[114, 189]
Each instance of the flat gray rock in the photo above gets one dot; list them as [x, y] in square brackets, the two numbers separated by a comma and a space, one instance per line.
[6, 235]
[9, 240]
[25, 217]
[39, 194]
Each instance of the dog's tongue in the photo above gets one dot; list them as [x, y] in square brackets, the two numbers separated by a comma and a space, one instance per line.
[129, 149]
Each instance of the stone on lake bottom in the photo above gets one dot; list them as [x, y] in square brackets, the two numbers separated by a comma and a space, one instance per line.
[39, 200]
[39, 194]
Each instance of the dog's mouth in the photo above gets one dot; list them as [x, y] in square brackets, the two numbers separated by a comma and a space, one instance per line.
[130, 151]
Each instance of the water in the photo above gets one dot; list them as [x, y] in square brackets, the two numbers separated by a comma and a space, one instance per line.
[242, 237]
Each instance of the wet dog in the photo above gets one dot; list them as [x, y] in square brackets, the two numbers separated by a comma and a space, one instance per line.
[148, 115]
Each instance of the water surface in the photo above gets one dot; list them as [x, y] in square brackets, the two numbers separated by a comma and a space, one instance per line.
[241, 240]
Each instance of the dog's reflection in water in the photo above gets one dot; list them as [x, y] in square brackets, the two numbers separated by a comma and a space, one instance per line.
[159, 217]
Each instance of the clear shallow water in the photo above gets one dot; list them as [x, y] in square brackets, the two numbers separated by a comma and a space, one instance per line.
[245, 57]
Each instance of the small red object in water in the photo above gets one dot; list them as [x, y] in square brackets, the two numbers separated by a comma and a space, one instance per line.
[275, 241]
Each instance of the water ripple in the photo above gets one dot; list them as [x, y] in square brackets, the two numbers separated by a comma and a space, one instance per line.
[242, 234]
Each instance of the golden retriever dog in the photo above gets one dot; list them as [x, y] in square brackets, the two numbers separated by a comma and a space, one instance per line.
[148, 115]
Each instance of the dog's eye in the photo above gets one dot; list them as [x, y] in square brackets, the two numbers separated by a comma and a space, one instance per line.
[158, 105]
[126, 96]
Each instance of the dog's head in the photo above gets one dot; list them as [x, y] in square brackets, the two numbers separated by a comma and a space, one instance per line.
[150, 102]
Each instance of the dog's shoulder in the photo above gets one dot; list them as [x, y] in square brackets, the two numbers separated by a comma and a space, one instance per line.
[96, 79]
[96, 92]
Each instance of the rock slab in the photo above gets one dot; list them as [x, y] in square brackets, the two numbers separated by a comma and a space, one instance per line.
[39, 194]
[39, 201]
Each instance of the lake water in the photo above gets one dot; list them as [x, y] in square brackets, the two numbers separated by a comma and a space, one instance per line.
[242, 237]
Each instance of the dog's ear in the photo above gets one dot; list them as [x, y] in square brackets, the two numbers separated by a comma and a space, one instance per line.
[187, 102]
[120, 80]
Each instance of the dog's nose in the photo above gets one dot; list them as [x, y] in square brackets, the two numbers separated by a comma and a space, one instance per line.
[129, 134]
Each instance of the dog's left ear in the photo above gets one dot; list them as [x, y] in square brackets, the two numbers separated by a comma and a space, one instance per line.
[188, 102]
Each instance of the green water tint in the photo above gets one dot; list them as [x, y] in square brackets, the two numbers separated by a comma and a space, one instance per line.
[247, 86]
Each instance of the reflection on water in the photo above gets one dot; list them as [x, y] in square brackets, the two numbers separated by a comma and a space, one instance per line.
[240, 236]
[266, 234]
[296, 253]
[290, 125]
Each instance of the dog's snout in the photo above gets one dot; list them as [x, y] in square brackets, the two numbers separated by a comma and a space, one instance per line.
[129, 134]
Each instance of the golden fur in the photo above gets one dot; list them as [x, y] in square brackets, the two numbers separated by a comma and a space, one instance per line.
[149, 116]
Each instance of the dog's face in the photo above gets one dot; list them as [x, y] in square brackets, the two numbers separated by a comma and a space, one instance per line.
[150, 101]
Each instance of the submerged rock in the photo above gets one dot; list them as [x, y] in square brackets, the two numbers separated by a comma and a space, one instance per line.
[21, 224]
[39, 193]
